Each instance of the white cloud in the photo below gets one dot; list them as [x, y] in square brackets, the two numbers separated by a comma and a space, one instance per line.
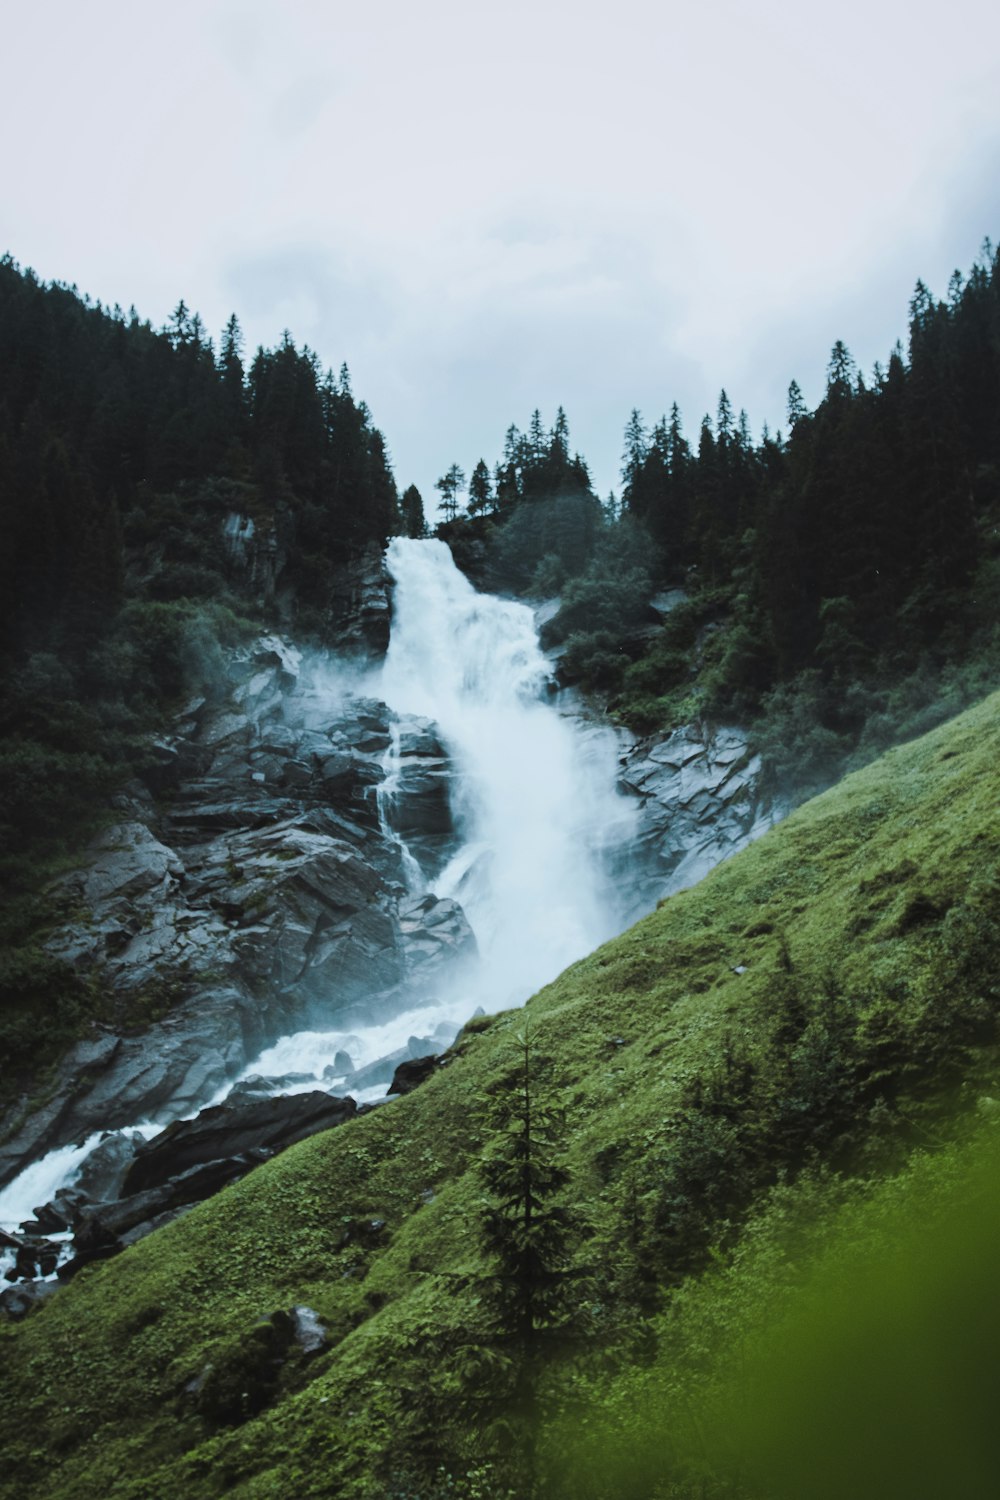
[484, 209]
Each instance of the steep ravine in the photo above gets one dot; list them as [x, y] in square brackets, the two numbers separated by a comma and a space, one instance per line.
[334, 864]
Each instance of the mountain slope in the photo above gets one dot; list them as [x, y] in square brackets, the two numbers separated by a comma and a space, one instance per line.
[827, 996]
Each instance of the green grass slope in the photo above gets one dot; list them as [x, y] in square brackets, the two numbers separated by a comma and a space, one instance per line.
[761, 1052]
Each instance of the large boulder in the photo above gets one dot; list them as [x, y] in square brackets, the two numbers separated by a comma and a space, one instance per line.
[231, 1129]
[409, 1075]
[700, 800]
[435, 932]
[18, 1301]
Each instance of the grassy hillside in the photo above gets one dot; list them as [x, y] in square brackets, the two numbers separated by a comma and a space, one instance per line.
[745, 1074]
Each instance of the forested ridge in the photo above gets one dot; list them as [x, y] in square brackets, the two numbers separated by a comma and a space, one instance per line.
[123, 451]
[124, 447]
[128, 458]
[836, 584]
[841, 579]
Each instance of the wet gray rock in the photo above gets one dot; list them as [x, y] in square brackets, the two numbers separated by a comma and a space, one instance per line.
[700, 801]
[231, 1129]
[409, 1075]
[379, 1071]
[18, 1301]
[310, 914]
[435, 932]
[258, 1086]
[259, 897]
[349, 779]
[308, 1330]
[101, 1174]
[35, 1257]
[419, 736]
[420, 801]
[257, 555]
[358, 616]
[57, 1216]
[172, 1068]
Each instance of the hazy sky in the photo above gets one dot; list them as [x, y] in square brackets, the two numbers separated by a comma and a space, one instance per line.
[484, 209]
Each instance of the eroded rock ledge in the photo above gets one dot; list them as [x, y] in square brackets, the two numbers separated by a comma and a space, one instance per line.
[253, 885]
[248, 889]
[700, 801]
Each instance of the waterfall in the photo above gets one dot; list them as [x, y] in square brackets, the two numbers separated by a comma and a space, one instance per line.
[536, 858]
[534, 796]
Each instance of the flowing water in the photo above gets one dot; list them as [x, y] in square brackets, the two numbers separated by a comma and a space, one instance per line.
[535, 806]
[541, 834]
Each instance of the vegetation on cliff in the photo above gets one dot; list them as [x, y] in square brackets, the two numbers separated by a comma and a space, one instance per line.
[159, 501]
[767, 1081]
[839, 582]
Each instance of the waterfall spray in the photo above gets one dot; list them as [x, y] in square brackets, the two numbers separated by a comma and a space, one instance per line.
[535, 802]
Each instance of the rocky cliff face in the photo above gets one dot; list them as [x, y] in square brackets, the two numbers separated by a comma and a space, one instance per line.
[253, 886]
[251, 890]
[355, 614]
[699, 801]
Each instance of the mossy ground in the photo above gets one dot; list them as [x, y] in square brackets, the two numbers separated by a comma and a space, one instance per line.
[769, 1043]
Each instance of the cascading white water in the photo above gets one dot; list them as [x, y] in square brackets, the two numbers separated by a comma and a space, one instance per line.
[391, 763]
[535, 801]
[535, 808]
[39, 1183]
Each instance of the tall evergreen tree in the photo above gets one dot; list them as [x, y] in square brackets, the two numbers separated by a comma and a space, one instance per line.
[449, 484]
[412, 510]
[533, 1292]
[480, 490]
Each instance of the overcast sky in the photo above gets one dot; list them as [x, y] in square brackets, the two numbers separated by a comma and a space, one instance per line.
[487, 208]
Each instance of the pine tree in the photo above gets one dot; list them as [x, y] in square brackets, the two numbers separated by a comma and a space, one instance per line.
[412, 510]
[840, 371]
[536, 436]
[533, 1295]
[480, 490]
[449, 484]
[634, 453]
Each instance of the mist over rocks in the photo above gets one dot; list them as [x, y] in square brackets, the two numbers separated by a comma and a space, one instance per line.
[247, 891]
[301, 859]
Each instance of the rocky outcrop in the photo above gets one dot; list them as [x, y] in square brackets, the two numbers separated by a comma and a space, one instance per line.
[247, 890]
[257, 554]
[128, 1187]
[435, 933]
[232, 1129]
[356, 612]
[700, 800]
[171, 1068]
[359, 613]
[417, 796]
